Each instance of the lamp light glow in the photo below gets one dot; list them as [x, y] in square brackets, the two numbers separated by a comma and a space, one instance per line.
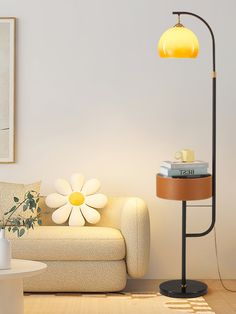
[178, 42]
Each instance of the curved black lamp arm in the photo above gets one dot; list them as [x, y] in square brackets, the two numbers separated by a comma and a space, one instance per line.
[213, 128]
[209, 28]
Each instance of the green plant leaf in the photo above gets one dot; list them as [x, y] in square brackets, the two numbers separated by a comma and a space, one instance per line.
[16, 199]
[21, 232]
[40, 222]
[32, 204]
[11, 210]
[29, 195]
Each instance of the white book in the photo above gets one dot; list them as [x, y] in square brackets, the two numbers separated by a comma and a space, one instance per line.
[184, 165]
[183, 172]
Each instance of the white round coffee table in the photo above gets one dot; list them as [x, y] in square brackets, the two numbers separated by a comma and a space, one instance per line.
[11, 284]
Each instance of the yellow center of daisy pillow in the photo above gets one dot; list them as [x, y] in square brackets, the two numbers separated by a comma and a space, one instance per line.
[76, 198]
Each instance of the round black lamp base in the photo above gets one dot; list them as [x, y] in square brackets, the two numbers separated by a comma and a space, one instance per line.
[173, 289]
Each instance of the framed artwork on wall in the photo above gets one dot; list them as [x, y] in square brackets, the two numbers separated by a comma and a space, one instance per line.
[7, 88]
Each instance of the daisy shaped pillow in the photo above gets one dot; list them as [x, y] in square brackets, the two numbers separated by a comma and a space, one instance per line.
[77, 200]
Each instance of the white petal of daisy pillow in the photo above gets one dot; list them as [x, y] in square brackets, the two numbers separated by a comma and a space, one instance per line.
[77, 201]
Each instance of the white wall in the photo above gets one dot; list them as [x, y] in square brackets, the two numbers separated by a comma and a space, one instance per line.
[93, 96]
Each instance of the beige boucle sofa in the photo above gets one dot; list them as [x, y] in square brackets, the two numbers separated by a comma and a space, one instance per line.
[91, 258]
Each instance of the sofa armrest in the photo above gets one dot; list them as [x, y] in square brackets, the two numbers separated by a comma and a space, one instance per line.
[135, 227]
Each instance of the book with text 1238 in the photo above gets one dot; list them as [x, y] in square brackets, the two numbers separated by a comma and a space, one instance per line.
[184, 165]
[183, 172]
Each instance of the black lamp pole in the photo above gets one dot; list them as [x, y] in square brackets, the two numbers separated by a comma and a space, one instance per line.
[192, 288]
[213, 125]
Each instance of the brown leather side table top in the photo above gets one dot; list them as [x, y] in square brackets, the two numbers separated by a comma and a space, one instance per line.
[184, 189]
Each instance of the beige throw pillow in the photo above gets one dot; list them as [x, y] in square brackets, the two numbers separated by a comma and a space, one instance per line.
[9, 190]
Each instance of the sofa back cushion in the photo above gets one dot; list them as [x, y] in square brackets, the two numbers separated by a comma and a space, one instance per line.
[7, 193]
[46, 213]
[110, 214]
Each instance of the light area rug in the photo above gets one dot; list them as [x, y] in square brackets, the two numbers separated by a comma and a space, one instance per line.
[112, 303]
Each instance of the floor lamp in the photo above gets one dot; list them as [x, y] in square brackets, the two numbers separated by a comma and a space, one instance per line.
[180, 42]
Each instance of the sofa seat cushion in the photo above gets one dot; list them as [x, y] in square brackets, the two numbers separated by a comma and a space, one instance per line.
[74, 276]
[67, 243]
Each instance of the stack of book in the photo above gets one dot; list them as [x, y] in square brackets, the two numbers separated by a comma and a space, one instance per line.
[184, 169]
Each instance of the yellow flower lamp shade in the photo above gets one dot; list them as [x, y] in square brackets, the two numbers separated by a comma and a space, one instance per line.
[178, 42]
[77, 201]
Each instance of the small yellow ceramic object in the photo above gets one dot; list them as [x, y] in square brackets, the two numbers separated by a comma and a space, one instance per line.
[185, 155]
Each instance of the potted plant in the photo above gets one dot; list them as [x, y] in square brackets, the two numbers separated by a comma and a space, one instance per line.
[14, 222]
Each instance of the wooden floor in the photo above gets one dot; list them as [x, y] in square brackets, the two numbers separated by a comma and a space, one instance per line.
[220, 300]
[108, 303]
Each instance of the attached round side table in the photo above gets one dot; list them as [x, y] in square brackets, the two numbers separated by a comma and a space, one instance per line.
[184, 189]
[11, 284]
